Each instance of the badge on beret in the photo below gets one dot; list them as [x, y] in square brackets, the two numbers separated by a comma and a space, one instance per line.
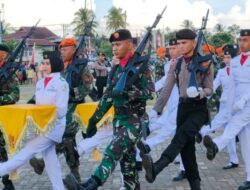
[245, 32]
[116, 35]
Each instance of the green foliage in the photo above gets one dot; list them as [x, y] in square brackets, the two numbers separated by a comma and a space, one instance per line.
[116, 19]
[221, 38]
[82, 17]
[104, 45]
[12, 44]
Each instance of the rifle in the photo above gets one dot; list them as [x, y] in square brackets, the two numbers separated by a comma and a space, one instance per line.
[131, 72]
[73, 70]
[10, 66]
[195, 64]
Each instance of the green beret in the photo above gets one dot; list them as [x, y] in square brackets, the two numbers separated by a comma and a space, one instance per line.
[4, 47]
[120, 35]
[245, 32]
[185, 34]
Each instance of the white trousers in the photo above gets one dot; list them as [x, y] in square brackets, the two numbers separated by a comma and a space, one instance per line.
[236, 123]
[244, 137]
[89, 144]
[220, 121]
[46, 147]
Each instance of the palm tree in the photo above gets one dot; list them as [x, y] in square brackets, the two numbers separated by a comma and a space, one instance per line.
[234, 29]
[116, 18]
[82, 17]
[188, 24]
[219, 28]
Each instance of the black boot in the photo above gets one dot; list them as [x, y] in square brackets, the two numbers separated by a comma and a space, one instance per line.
[195, 184]
[198, 137]
[212, 148]
[181, 175]
[72, 184]
[245, 186]
[38, 165]
[144, 148]
[153, 169]
[76, 173]
[8, 185]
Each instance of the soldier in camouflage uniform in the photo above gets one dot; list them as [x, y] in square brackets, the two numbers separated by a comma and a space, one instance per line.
[77, 95]
[129, 120]
[160, 63]
[9, 94]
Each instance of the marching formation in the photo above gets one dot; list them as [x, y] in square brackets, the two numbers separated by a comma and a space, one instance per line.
[181, 86]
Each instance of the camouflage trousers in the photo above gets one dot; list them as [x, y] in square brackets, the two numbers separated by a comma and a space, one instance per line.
[4, 158]
[122, 149]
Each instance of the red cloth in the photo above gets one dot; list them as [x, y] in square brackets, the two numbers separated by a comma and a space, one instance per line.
[124, 61]
[228, 71]
[46, 81]
[187, 59]
[243, 59]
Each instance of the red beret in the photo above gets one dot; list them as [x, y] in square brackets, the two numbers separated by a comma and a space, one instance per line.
[68, 42]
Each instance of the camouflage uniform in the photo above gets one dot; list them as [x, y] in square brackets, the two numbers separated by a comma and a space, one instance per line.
[130, 118]
[159, 68]
[77, 96]
[9, 94]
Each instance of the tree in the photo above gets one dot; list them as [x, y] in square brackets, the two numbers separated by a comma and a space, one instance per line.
[116, 19]
[234, 29]
[188, 24]
[219, 28]
[82, 17]
[221, 38]
[103, 45]
[6, 27]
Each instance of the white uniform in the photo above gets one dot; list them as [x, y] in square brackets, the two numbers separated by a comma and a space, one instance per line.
[220, 120]
[239, 109]
[55, 93]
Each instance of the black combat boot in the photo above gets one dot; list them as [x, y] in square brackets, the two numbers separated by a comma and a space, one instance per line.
[38, 165]
[212, 148]
[144, 148]
[153, 169]
[72, 184]
[180, 176]
[195, 184]
[8, 185]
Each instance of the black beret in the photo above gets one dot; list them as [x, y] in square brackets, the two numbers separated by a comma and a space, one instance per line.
[4, 47]
[134, 40]
[185, 34]
[46, 54]
[245, 32]
[172, 42]
[120, 35]
[231, 50]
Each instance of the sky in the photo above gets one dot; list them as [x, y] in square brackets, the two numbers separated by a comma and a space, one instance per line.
[140, 13]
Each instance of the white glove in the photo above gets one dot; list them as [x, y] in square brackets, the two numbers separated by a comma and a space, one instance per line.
[192, 91]
[239, 105]
[152, 115]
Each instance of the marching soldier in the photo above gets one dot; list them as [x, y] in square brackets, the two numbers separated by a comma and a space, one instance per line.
[192, 113]
[68, 146]
[238, 110]
[9, 94]
[130, 117]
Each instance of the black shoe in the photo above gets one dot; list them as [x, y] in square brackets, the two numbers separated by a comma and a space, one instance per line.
[38, 165]
[231, 165]
[144, 148]
[8, 185]
[181, 175]
[71, 182]
[91, 184]
[148, 165]
[138, 165]
[198, 138]
[212, 148]
[244, 186]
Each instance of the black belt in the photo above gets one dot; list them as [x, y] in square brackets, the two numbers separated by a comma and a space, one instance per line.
[130, 110]
[192, 100]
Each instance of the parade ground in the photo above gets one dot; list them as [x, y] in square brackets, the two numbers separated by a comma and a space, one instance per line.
[212, 175]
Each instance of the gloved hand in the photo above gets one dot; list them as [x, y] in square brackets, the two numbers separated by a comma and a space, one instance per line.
[192, 92]
[92, 129]
[239, 105]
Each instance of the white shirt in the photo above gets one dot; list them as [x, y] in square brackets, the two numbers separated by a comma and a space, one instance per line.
[239, 83]
[55, 93]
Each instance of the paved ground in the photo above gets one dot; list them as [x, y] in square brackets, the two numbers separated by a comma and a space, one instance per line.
[213, 177]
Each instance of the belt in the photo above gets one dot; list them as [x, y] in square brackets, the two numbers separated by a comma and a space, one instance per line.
[130, 110]
[192, 100]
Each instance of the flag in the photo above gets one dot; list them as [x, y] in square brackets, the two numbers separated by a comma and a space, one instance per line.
[33, 54]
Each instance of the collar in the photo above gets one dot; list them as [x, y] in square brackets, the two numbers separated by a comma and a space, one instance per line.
[123, 62]
[246, 53]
